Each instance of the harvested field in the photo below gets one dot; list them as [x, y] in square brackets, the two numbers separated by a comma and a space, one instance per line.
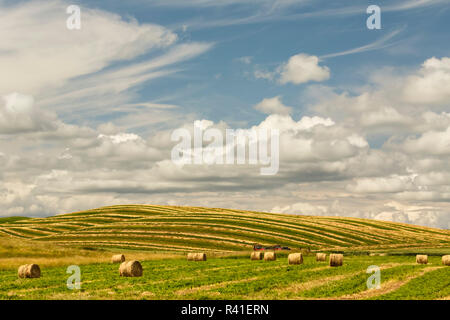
[240, 278]
[160, 238]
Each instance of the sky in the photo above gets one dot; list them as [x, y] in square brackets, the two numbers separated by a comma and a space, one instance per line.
[87, 115]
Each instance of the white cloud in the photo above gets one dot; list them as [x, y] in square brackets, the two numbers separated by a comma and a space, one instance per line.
[431, 143]
[299, 69]
[327, 165]
[382, 184]
[43, 53]
[92, 70]
[431, 85]
[302, 208]
[273, 106]
[267, 75]
[18, 114]
[245, 60]
[303, 68]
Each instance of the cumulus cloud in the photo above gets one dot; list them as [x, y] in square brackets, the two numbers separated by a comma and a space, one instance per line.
[303, 68]
[431, 85]
[273, 106]
[382, 184]
[369, 152]
[18, 114]
[432, 142]
[299, 69]
[326, 168]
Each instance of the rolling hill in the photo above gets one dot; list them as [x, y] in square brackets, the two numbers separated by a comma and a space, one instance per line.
[181, 229]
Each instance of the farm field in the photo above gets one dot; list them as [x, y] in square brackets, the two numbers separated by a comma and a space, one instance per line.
[181, 229]
[240, 278]
[161, 236]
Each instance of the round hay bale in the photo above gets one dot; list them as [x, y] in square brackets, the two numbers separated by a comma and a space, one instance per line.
[336, 260]
[200, 257]
[295, 258]
[29, 271]
[256, 255]
[190, 256]
[270, 256]
[446, 260]
[131, 269]
[196, 256]
[118, 258]
[321, 257]
[422, 259]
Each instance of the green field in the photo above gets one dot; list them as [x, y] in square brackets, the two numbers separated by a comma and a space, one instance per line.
[239, 278]
[160, 237]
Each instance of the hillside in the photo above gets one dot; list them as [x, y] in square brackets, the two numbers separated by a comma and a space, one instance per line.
[180, 229]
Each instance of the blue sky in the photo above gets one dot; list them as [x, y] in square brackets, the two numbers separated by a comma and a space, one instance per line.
[86, 116]
[219, 87]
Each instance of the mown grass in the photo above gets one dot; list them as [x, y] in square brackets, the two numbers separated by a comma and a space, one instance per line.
[229, 278]
[212, 229]
[160, 236]
[15, 252]
[432, 285]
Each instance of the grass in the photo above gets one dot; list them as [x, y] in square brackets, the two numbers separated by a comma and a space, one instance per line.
[160, 237]
[178, 229]
[237, 278]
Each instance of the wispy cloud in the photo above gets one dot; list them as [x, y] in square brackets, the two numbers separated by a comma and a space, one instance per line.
[381, 43]
[260, 11]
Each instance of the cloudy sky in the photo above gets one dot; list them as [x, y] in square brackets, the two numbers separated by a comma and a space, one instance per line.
[86, 116]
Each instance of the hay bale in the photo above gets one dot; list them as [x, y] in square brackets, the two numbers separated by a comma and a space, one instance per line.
[422, 259]
[256, 255]
[270, 256]
[196, 256]
[190, 256]
[321, 257]
[29, 271]
[446, 260]
[336, 260]
[118, 258]
[200, 257]
[295, 258]
[131, 269]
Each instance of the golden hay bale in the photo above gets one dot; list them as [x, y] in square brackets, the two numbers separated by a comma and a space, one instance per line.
[196, 256]
[200, 257]
[190, 256]
[446, 260]
[336, 260]
[270, 256]
[131, 269]
[295, 258]
[321, 257]
[256, 255]
[118, 258]
[29, 271]
[422, 259]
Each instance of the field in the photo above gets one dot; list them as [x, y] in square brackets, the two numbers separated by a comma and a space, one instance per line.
[160, 237]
